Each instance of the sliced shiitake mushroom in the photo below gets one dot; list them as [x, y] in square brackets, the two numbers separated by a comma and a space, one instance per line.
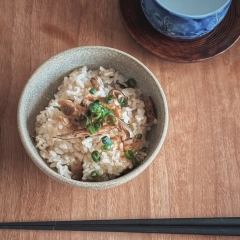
[74, 134]
[116, 93]
[122, 126]
[77, 171]
[149, 110]
[69, 108]
[95, 83]
[68, 122]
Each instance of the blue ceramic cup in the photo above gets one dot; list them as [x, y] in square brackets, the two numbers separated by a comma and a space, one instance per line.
[185, 19]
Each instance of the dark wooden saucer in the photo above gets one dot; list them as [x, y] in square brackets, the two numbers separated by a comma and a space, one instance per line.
[177, 50]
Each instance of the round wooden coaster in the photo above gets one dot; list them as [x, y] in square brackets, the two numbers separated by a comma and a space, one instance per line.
[178, 50]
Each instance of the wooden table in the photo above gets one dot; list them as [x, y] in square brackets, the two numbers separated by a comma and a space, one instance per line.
[197, 172]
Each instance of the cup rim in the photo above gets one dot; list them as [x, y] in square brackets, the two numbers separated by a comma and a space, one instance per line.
[189, 15]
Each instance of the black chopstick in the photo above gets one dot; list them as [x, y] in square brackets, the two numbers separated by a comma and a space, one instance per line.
[197, 226]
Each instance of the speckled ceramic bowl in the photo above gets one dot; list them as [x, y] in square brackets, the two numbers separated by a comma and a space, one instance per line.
[42, 85]
[185, 19]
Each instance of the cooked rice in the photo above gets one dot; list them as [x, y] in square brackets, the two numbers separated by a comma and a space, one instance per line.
[61, 154]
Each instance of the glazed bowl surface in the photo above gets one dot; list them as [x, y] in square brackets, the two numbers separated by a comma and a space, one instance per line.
[186, 19]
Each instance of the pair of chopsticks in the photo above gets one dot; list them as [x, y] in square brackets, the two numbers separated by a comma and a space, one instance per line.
[196, 226]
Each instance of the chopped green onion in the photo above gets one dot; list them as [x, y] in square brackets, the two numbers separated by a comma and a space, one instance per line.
[109, 98]
[122, 101]
[106, 147]
[96, 115]
[131, 82]
[93, 90]
[87, 121]
[138, 136]
[106, 141]
[95, 106]
[97, 125]
[129, 154]
[57, 108]
[98, 111]
[94, 173]
[95, 156]
[91, 129]
[83, 121]
[107, 113]
[144, 149]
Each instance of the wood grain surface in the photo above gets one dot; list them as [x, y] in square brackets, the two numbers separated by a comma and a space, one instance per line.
[197, 172]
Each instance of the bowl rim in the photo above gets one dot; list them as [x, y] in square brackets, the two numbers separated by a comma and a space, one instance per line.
[200, 16]
[25, 138]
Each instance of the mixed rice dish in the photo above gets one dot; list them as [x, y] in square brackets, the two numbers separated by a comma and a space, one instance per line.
[95, 127]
